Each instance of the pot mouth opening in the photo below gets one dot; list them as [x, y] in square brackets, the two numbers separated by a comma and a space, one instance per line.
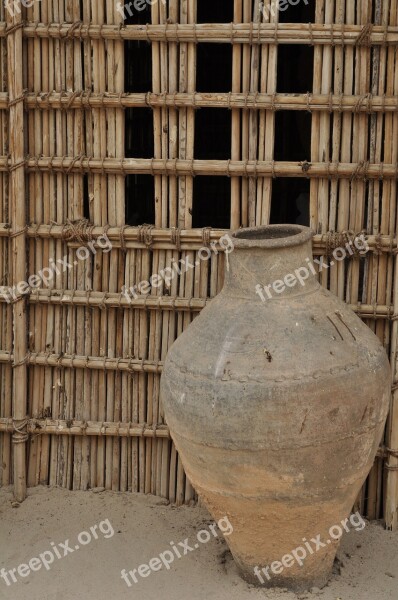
[272, 236]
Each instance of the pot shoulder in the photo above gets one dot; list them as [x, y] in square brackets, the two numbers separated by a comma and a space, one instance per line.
[311, 335]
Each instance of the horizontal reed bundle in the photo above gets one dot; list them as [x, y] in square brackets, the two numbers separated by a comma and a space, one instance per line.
[235, 33]
[162, 303]
[45, 359]
[37, 427]
[249, 100]
[96, 299]
[108, 300]
[222, 168]
[190, 239]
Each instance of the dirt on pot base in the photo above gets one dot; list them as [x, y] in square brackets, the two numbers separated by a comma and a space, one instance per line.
[144, 527]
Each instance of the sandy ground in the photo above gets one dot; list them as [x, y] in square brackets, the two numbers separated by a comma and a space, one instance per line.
[143, 527]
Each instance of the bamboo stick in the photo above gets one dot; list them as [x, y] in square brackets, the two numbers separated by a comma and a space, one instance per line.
[142, 347]
[6, 316]
[245, 133]
[187, 84]
[81, 455]
[370, 276]
[346, 141]
[122, 408]
[173, 116]
[73, 392]
[316, 126]
[54, 326]
[18, 250]
[338, 87]
[160, 84]
[391, 503]
[154, 463]
[157, 321]
[89, 474]
[269, 76]
[172, 288]
[48, 250]
[324, 142]
[162, 476]
[236, 122]
[253, 123]
[157, 115]
[100, 216]
[389, 220]
[62, 215]
[36, 254]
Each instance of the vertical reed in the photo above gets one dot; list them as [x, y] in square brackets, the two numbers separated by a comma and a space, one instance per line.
[18, 250]
[6, 316]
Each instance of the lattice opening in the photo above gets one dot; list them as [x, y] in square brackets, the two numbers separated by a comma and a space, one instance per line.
[290, 201]
[211, 202]
[140, 200]
[139, 133]
[215, 12]
[212, 134]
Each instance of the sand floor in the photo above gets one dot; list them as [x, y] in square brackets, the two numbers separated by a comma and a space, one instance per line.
[134, 529]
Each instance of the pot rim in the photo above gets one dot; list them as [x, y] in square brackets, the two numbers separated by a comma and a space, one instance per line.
[272, 236]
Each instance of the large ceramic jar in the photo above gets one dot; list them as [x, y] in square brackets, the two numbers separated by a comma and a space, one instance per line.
[277, 397]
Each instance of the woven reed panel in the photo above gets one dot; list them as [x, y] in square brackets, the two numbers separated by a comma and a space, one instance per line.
[94, 358]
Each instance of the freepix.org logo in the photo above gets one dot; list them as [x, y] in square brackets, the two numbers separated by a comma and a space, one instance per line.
[14, 6]
[278, 5]
[127, 9]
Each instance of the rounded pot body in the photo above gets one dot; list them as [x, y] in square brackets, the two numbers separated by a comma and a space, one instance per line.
[277, 400]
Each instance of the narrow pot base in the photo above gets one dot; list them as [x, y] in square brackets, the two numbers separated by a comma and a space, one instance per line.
[298, 582]
[278, 543]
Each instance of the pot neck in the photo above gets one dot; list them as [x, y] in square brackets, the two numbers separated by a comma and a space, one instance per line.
[271, 263]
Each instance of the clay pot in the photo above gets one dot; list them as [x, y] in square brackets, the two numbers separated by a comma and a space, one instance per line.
[277, 407]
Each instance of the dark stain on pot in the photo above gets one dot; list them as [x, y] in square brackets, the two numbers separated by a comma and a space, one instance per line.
[334, 414]
[304, 420]
[268, 355]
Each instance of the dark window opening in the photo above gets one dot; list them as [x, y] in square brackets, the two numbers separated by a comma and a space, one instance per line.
[293, 139]
[215, 12]
[214, 68]
[295, 62]
[291, 196]
[138, 55]
[295, 69]
[140, 192]
[140, 200]
[86, 199]
[212, 202]
[212, 134]
[297, 11]
[212, 195]
[290, 201]
[139, 133]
